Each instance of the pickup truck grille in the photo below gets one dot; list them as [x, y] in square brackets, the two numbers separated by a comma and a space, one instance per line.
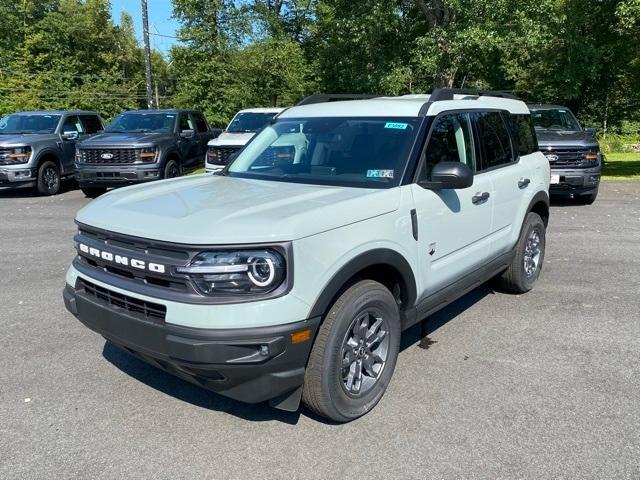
[220, 155]
[141, 308]
[568, 157]
[106, 156]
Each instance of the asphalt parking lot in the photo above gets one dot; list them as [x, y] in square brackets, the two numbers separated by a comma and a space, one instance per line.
[544, 385]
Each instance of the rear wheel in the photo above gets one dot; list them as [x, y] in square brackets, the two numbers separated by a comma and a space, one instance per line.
[49, 180]
[93, 192]
[526, 265]
[355, 353]
[171, 169]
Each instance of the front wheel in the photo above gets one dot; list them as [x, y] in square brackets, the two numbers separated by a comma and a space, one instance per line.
[49, 180]
[171, 169]
[526, 265]
[588, 199]
[93, 192]
[355, 353]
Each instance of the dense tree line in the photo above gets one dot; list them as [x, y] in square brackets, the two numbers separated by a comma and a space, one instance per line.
[234, 54]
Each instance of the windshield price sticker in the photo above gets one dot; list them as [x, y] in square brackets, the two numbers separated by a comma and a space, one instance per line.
[396, 125]
[379, 173]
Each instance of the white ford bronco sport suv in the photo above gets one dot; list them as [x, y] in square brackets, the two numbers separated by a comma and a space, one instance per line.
[291, 277]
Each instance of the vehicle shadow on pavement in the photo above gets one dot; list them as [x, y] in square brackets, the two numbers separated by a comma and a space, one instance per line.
[31, 192]
[185, 391]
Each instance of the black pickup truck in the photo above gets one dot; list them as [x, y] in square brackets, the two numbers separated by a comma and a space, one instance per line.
[141, 146]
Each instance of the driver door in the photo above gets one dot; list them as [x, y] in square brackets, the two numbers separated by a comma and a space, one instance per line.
[453, 225]
[188, 145]
[71, 123]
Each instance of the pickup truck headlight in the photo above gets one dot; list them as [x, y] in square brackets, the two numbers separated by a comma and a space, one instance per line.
[148, 154]
[591, 158]
[16, 155]
[236, 272]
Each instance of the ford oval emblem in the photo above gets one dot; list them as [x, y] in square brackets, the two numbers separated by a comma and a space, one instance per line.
[106, 156]
[552, 158]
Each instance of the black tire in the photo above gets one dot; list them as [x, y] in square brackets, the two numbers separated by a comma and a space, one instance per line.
[326, 388]
[520, 278]
[93, 192]
[171, 169]
[588, 199]
[49, 180]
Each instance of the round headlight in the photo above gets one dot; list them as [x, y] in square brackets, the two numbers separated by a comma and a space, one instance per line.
[261, 271]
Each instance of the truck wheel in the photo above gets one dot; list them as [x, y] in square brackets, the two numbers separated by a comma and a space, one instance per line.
[526, 265]
[171, 169]
[48, 178]
[93, 192]
[355, 353]
[588, 199]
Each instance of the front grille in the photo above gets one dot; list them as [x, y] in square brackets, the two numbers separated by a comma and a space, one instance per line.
[141, 308]
[569, 157]
[220, 155]
[113, 155]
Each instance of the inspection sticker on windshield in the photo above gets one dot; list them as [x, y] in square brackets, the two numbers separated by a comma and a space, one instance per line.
[396, 125]
[379, 173]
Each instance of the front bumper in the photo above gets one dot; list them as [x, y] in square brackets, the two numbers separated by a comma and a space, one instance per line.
[22, 177]
[247, 364]
[575, 181]
[118, 175]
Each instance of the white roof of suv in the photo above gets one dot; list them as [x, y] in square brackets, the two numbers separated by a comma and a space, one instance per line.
[262, 110]
[403, 106]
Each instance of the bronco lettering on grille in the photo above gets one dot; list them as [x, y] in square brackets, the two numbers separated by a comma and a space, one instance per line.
[119, 259]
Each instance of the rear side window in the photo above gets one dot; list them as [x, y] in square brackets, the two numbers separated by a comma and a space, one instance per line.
[201, 123]
[524, 133]
[494, 140]
[91, 123]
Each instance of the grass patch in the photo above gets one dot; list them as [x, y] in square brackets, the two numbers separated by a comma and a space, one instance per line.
[198, 171]
[622, 166]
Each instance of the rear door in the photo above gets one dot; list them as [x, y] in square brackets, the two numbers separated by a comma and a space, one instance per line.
[453, 225]
[500, 161]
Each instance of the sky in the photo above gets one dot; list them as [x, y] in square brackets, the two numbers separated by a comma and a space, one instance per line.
[160, 20]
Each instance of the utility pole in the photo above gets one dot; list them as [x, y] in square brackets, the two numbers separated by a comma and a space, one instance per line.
[147, 53]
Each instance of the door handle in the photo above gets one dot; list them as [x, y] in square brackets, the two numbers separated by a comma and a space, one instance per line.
[480, 198]
[523, 182]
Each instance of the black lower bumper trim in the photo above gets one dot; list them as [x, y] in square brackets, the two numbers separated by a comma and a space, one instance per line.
[250, 364]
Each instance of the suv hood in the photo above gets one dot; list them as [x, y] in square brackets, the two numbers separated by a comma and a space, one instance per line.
[563, 138]
[232, 139]
[109, 140]
[27, 139]
[211, 209]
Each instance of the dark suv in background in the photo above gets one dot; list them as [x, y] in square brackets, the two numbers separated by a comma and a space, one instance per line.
[37, 149]
[573, 152]
[141, 146]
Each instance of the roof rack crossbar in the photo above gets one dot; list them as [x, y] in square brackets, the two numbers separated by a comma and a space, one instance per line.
[440, 94]
[334, 97]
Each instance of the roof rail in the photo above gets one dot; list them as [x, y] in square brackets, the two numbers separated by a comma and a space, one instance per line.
[448, 93]
[333, 97]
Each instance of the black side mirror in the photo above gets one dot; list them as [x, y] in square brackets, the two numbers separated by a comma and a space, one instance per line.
[449, 175]
[591, 131]
[188, 134]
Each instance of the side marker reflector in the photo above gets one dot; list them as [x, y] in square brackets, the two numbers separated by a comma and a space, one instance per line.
[301, 336]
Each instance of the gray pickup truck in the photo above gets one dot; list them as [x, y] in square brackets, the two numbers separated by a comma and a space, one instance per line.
[141, 146]
[573, 152]
[37, 149]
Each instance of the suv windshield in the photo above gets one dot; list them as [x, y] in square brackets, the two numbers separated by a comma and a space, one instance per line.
[358, 152]
[554, 119]
[249, 122]
[142, 122]
[29, 123]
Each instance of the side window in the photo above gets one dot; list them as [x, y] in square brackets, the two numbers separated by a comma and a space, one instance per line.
[201, 123]
[494, 140]
[91, 123]
[185, 122]
[524, 133]
[72, 124]
[450, 141]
